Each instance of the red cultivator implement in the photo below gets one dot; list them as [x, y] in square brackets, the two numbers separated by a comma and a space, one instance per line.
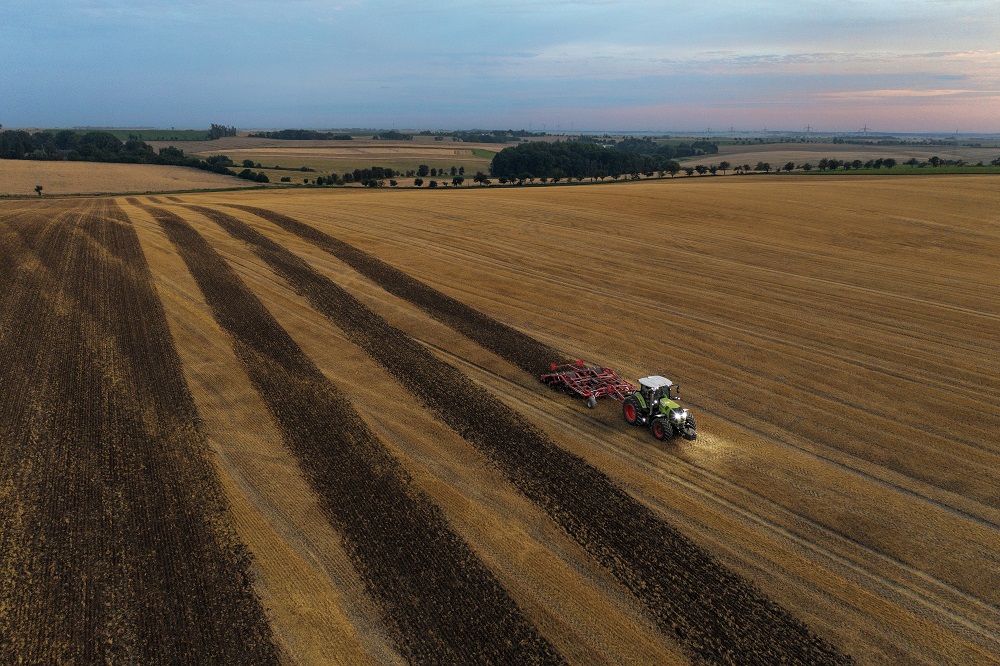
[588, 381]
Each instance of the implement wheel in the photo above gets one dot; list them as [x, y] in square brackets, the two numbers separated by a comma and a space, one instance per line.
[591, 402]
[630, 410]
[661, 429]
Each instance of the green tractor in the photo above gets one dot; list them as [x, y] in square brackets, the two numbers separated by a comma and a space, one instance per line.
[655, 405]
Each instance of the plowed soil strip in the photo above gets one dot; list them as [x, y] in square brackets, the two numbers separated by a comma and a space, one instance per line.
[442, 603]
[716, 615]
[503, 340]
[114, 546]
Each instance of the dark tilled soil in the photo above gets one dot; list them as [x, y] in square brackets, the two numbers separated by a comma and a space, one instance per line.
[507, 342]
[440, 600]
[114, 541]
[714, 614]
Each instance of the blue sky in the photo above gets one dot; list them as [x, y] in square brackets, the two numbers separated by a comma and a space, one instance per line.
[904, 65]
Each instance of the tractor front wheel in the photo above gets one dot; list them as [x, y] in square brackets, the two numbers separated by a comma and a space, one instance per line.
[689, 431]
[630, 410]
[662, 429]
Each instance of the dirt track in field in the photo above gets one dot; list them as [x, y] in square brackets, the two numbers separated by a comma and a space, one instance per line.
[836, 337]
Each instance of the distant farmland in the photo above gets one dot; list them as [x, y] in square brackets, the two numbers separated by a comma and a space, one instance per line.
[19, 177]
[777, 154]
[339, 156]
[327, 400]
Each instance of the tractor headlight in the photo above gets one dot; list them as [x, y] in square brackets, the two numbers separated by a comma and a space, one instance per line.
[678, 415]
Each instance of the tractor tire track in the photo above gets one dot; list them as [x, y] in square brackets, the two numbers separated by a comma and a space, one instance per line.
[114, 540]
[714, 614]
[441, 603]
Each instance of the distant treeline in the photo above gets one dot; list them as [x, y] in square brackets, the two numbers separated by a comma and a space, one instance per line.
[392, 135]
[484, 136]
[578, 159]
[301, 135]
[99, 146]
[219, 131]
[646, 146]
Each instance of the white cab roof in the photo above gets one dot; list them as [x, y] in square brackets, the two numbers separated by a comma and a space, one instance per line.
[655, 381]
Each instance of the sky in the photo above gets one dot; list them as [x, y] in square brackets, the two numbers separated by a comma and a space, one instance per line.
[544, 65]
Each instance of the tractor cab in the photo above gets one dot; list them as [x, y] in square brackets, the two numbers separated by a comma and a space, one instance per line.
[654, 388]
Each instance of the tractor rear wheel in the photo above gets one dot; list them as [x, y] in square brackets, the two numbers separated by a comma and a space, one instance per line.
[630, 410]
[662, 429]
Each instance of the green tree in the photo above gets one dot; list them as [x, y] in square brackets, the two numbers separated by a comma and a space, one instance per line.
[219, 131]
[38, 189]
[724, 166]
[418, 181]
[789, 166]
[423, 170]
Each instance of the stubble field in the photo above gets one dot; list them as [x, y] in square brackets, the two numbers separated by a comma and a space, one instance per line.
[19, 177]
[342, 384]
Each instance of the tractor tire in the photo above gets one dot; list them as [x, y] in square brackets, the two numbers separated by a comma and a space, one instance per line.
[631, 411]
[661, 428]
[591, 402]
[689, 431]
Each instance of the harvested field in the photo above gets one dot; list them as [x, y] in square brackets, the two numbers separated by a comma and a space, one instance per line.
[443, 604]
[340, 156]
[836, 337]
[108, 499]
[19, 177]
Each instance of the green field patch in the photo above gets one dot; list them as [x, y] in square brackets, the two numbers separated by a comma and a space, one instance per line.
[156, 134]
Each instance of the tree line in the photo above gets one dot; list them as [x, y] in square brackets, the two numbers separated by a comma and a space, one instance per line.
[301, 135]
[576, 159]
[98, 146]
[219, 131]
